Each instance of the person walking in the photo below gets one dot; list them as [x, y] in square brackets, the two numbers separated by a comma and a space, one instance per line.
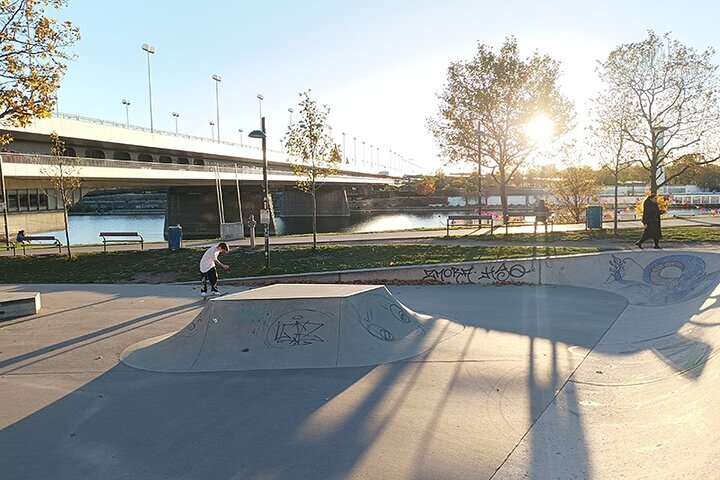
[208, 273]
[651, 220]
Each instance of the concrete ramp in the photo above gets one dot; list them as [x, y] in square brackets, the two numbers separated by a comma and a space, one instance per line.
[294, 326]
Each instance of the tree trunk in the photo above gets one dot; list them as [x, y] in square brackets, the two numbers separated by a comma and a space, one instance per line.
[615, 205]
[503, 197]
[67, 232]
[314, 216]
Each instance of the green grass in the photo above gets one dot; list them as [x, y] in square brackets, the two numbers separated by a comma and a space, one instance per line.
[161, 265]
[624, 235]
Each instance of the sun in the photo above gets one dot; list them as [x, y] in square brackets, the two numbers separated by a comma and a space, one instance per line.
[540, 128]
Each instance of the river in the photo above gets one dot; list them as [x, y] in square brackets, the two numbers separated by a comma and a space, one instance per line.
[85, 229]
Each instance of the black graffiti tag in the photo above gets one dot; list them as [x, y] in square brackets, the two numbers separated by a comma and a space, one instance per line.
[503, 273]
[449, 273]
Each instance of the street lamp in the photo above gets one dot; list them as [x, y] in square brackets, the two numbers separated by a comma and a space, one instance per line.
[290, 110]
[344, 151]
[176, 115]
[4, 204]
[217, 79]
[265, 216]
[149, 49]
[260, 99]
[241, 132]
[127, 111]
[212, 130]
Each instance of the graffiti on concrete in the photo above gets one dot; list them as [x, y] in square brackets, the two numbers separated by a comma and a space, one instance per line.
[399, 313]
[500, 273]
[503, 273]
[665, 280]
[457, 274]
[299, 328]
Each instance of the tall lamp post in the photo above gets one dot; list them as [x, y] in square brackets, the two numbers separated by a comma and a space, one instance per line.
[212, 130]
[176, 115]
[127, 111]
[264, 217]
[260, 99]
[217, 79]
[3, 204]
[479, 153]
[149, 49]
[241, 132]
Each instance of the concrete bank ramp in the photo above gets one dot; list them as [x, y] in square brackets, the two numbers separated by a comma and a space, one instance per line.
[294, 326]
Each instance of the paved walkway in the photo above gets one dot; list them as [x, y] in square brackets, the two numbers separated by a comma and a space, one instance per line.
[473, 234]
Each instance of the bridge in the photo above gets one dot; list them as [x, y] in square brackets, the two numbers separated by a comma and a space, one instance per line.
[207, 181]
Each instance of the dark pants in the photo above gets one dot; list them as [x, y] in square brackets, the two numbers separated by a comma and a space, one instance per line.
[210, 275]
[652, 230]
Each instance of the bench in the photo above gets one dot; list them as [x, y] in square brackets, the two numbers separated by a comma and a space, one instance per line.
[451, 219]
[39, 238]
[122, 237]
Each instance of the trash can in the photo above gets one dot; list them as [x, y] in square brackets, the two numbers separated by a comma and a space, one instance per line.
[593, 216]
[175, 237]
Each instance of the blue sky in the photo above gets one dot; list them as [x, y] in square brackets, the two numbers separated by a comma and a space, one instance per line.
[378, 65]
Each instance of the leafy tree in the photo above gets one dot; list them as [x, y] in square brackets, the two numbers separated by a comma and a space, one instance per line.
[576, 188]
[672, 93]
[425, 188]
[309, 142]
[63, 173]
[502, 93]
[709, 178]
[32, 59]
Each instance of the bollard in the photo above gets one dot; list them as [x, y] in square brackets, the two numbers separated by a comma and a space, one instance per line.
[251, 225]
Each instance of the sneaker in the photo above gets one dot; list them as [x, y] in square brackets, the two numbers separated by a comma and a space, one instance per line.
[216, 293]
[203, 294]
[639, 245]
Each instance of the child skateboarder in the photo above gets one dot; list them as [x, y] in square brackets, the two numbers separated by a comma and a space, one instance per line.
[207, 268]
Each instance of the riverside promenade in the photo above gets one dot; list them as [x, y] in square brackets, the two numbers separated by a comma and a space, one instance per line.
[473, 235]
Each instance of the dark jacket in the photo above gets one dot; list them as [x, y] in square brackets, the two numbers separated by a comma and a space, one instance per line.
[651, 219]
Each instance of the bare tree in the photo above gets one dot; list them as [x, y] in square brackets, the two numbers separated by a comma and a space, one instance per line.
[32, 59]
[63, 174]
[673, 94]
[308, 140]
[501, 94]
[576, 188]
[610, 142]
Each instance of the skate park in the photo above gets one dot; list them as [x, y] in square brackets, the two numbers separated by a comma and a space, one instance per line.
[590, 366]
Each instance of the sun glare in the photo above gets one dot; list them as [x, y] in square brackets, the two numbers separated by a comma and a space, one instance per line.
[540, 128]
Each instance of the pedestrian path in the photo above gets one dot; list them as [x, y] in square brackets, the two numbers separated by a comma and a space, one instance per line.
[396, 236]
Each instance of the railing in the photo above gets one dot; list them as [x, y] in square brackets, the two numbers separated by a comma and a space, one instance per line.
[34, 159]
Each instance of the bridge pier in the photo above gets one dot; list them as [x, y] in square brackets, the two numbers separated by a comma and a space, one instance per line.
[332, 201]
[196, 209]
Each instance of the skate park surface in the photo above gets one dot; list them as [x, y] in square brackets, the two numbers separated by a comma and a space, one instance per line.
[594, 366]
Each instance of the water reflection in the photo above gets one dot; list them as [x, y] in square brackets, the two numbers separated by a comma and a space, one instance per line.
[360, 223]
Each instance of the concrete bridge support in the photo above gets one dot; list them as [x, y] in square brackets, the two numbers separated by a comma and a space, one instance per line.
[331, 202]
[196, 209]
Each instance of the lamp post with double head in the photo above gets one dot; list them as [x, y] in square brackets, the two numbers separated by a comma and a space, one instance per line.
[150, 50]
[127, 111]
[176, 115]
[265, 216]
[212, 130]
[217, 79]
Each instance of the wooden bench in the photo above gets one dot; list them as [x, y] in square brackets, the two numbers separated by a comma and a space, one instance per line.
[122, 237]
[451, 219]
[39, 238]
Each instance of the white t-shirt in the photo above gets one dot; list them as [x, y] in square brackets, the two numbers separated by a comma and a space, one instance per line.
[208, 259]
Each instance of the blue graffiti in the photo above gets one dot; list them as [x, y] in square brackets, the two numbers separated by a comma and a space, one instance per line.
[665, 280]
